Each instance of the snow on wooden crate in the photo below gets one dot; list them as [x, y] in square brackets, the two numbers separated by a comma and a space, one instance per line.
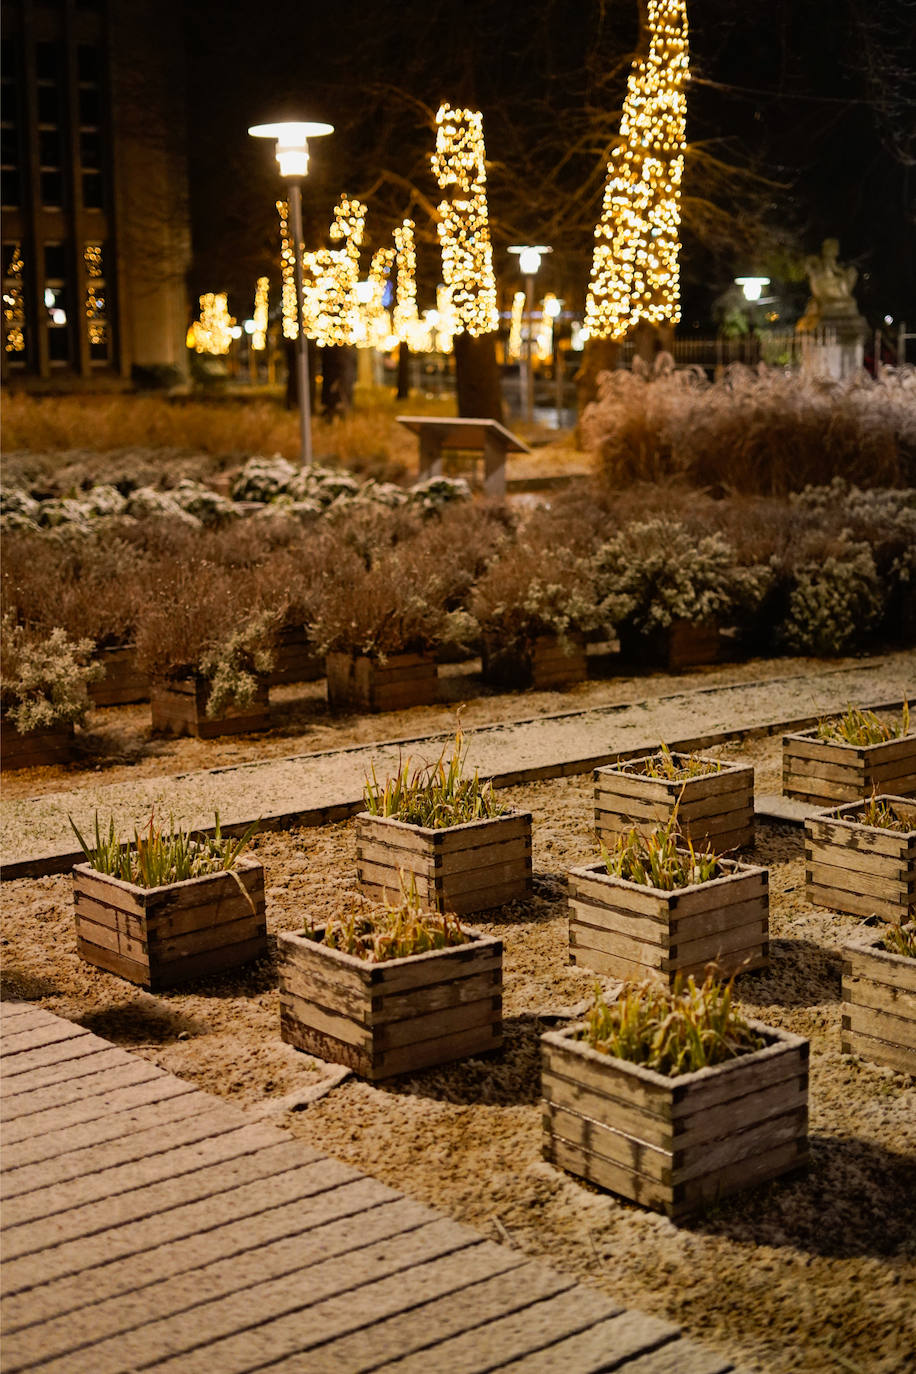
[629, 930]
[460, 868]
[678, 1144]
[863, 869]
[879, 1002]
[828, 771]
[714, 808]
[392, 1017]
[160, 936]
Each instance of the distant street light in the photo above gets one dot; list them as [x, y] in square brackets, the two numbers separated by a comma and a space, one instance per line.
[752, 286]
[292, 154]
[529, 260]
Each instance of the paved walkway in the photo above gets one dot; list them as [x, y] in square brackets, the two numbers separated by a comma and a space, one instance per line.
[149, 1226]
[316, 789]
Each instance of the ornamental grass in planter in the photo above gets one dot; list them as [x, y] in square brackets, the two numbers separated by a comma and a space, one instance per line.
[168, 906]
[390, 988]
[655, 905]
[533, 608]
[861, 858]
[43, 695]
[672, 1100]
[879, 996]
[714, 799]
[850, 757]
[464, 850]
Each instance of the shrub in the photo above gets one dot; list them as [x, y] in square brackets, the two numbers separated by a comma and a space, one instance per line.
[672, 1030]
[835, 603]
[529, 591]
[44, 679]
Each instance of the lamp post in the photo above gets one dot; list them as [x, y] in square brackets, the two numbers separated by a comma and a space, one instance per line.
[529, 260]
[292, 153]
[752, 286]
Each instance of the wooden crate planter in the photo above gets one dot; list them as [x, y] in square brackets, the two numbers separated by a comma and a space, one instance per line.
[547, 662]
[464, 868]
[628, 930]
[879, 1002]
[161, 936]
[179, 707]
[296, 659]
[682, 644]
[34, 748]
[827, 771]
[676, 1145]
[394, 1017]
[123, 682]
[715, 809]
[866, 870]
[360, 683]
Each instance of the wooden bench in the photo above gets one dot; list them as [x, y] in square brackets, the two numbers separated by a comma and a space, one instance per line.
[488, 437]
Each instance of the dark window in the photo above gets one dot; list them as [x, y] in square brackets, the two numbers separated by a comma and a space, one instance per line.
[47, 61]
[90, 105]
[55, 261]
[89, 63]
[52, 190]
[91, 149]
[48, 105]
[10, 188]
[49, 147]
[9, 146]
[9, 59]
[10, 257]
[93, 191]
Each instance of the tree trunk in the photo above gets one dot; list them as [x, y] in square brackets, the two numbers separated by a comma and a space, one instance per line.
[599, 355]
[338, 375]
[651, 339]
[477, 377]
[403, 372]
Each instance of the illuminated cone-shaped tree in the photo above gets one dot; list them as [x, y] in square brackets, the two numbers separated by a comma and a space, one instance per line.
[635, 286]
[467, 258]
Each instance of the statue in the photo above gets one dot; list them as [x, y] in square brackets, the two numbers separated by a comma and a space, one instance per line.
[832, 301]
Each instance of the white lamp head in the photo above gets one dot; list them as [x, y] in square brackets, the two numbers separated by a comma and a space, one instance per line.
[529, 256]
[752, 286]
[292, 138]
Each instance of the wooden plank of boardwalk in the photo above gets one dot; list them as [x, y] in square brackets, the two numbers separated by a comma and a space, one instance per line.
[149, 1226]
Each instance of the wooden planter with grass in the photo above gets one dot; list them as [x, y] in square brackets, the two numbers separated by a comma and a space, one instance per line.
[827, 771]
[393, 1017]
[34, 748]
[628, 930]
[879, 1002]
[461, 868]
[714, 808]
[357, 682]
[161, 936]
[678, 1144]
[296, 660]
[123, 682]
[867, 870]
[547, 662]
[179, 707]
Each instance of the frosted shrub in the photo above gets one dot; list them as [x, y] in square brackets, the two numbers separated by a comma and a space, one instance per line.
[834, 604]
[530, 591]
[263, 479]
[146, 503]
[44, 678]
[203, 503]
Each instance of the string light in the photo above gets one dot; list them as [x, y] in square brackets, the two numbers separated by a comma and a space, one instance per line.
[463, 228]
[331, 308]
[514, 346]
[212, 333]
[14, 305]
[259, 314]
[635, 271]
[95, 308]
[404, 317]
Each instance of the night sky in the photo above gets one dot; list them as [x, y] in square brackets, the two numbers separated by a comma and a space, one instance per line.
[801, 124]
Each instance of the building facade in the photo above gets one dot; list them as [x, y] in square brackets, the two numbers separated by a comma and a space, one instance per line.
[95, 220]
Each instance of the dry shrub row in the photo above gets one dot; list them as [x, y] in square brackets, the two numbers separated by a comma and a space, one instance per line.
[767, 431]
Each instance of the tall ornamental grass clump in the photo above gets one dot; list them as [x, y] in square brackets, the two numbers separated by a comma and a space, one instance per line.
[765, 430]
[435, 795]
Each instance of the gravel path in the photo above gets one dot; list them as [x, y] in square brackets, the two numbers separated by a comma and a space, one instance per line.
[812, 1274]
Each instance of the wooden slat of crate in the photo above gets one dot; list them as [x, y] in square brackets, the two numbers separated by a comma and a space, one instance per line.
[617, 1147]
[451, 864]
[865, 992]
[559, 1059]
[720, 946]
[861, 960]
[134, 970]
[629, 780]
[180, 707]
[836, 899]
[462, 904]
[111, 929]
[35, 748]
[891, 886]
[744, 883]
[844, 772]
[573, 1095]
[587, 884]
[616, 1178]
[883, 1025]
[866, 849]
[879, 1051]
[334, 989]
[123, 682]
[750, 1172]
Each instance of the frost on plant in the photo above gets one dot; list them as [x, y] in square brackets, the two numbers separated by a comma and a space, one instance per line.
[44, 680]
[834, 603]
[236, 664]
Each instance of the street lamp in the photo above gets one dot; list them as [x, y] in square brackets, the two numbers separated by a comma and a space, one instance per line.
[752, 286]
[292, 153]
[529, 260]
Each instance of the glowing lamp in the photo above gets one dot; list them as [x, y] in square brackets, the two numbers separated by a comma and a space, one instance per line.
[529, 257]
[752, 286]
[291, 136]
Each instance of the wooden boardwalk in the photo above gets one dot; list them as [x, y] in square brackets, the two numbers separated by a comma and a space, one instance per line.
[149, 1226]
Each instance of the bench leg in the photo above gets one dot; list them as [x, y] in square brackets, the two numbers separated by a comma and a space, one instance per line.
[494, 467]
[430, 456]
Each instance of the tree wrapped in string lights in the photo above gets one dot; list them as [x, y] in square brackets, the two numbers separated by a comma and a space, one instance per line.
[467, 257]
[635, 273]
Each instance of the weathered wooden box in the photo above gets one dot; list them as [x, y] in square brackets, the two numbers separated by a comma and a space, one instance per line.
[828, 771]
[393, 1017]
[359, 683]
[123, 682]
[549, 661]
[296, 660]
[715, 809]
[34, 748]
[676, 1145]
[627, 930]
[179, 707]
[879, 1002]
[866, 870]
[463, 868]
[682, 644]
[160, 936]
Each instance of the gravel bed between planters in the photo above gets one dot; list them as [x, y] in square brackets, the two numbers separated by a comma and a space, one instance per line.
[809, 1273]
